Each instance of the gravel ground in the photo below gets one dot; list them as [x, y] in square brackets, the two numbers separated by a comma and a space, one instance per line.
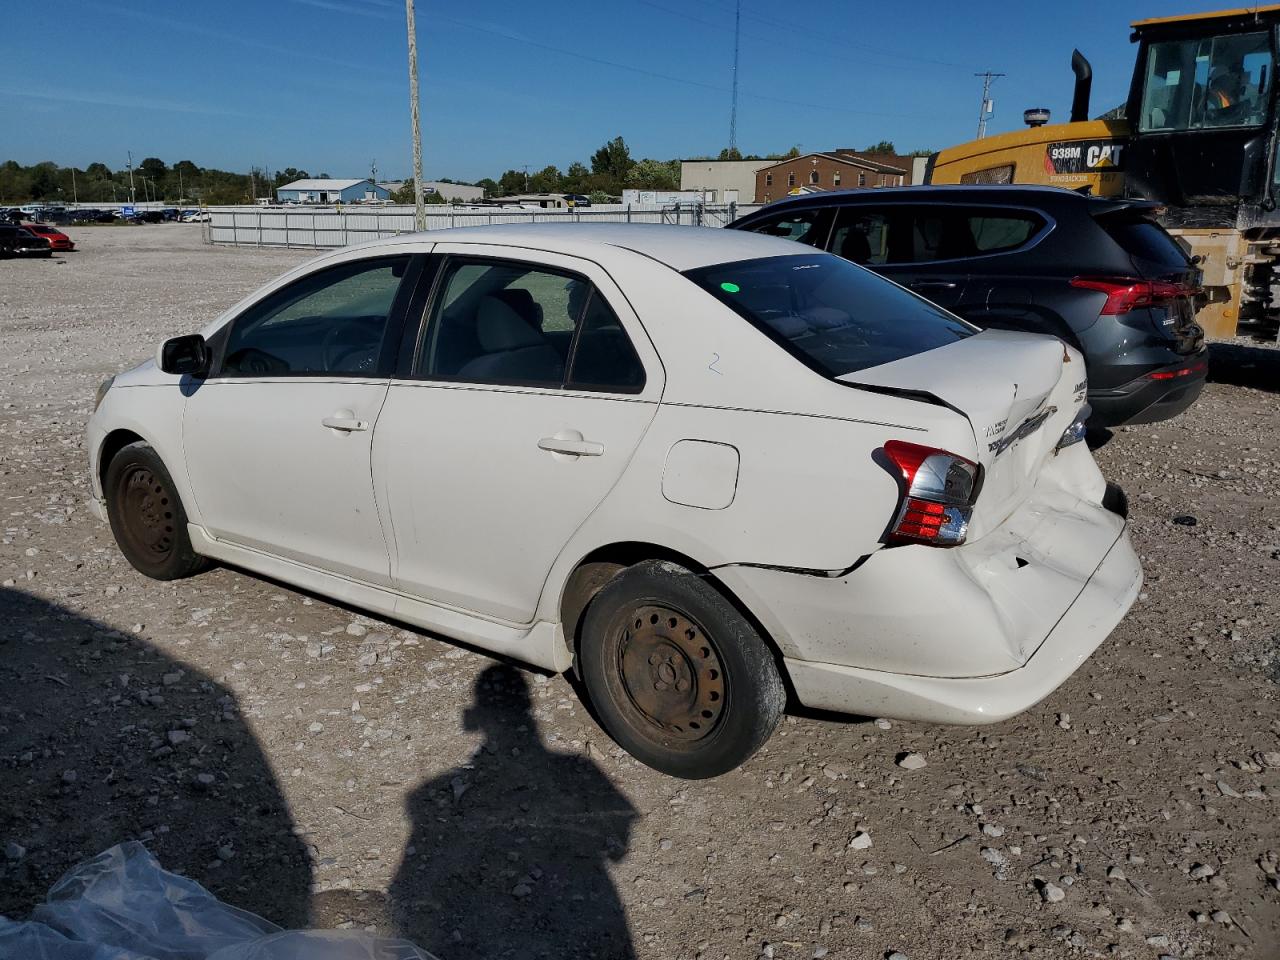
[320, 766]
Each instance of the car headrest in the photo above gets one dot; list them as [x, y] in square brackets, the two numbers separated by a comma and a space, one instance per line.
[498, 327]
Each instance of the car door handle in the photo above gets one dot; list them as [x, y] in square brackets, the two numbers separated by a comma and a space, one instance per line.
[933, 285]
[574, 447]
[344, 421]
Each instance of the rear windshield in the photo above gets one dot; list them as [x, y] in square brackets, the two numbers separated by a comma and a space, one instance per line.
[1148, 243]
[834, 316]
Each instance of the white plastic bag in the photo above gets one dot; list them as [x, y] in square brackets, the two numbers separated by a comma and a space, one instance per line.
[122, 905]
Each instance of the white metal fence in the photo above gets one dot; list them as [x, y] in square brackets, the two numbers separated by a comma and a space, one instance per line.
[339, 227]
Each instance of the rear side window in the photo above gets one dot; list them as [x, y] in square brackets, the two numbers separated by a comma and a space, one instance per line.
[1148, 243]
[803, 226]
[508, 322]
[953, 234]
[831, 315]
[603, 358]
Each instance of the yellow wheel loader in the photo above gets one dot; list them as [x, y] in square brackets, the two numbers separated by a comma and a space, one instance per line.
[1197, 134]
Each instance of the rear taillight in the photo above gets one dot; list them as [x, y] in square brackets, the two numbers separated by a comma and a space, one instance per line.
[1189, 370]
[1125, 293]
[938, 493]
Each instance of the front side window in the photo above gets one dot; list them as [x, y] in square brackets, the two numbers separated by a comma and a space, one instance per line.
[503, 322]
[331, 322]
[829, 314]
[861, 236]
[1207, 83]
[801, 226]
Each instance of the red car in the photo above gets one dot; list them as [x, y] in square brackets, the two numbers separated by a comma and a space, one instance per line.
[57, 239]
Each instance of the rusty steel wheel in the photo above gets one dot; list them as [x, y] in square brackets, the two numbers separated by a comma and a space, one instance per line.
[146, 515]
[146, 512]
[670, 671]
[676, 674]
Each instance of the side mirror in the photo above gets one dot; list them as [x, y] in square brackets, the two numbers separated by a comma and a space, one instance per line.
[186, 356]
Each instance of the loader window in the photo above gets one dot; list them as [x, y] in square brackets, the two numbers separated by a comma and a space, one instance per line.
[1207, 83]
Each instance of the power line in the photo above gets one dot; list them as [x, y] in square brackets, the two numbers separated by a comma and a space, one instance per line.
[871, 58]
[733, 110]
[775, 23]
[661, 76]
[985, 112]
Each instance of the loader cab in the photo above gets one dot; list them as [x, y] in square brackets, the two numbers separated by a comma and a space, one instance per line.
[1202, 114]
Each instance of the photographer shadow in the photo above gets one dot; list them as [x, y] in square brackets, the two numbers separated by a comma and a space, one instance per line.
[509, 853]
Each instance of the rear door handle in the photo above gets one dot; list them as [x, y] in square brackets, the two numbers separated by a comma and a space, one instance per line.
[572, 446]
[345, 421]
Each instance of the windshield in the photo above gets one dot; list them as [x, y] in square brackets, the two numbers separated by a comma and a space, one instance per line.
[832, 315]
[1206, 83]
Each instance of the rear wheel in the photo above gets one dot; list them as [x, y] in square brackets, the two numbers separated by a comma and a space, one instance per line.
[678, 676]
[146, 515]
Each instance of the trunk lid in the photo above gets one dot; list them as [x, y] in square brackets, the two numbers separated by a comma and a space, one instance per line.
[1019, 392]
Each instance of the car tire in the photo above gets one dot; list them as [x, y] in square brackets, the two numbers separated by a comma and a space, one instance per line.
[676, 674]
[147, 517]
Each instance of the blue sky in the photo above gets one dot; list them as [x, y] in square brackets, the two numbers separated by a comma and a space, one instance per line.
[321, 84]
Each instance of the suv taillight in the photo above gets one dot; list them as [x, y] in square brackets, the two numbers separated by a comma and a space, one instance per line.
[938, 493]
[1126, 293]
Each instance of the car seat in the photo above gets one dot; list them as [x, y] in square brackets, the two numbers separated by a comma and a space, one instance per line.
[513, 349]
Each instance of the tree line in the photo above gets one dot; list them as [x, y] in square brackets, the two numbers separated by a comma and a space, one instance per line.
[152, 179]
[609, 171]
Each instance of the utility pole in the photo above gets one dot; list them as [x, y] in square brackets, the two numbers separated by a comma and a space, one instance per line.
[133, 194]
[526, 178]
[75, 197]
[419, 206]
[986, 112]
[733, 109]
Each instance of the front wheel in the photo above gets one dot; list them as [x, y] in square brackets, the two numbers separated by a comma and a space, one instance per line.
[146, 515]
[679, 677]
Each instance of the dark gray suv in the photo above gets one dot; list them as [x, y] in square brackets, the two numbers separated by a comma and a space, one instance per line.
[1097, 272]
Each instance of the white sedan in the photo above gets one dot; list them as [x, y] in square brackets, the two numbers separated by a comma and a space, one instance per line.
[706, 469]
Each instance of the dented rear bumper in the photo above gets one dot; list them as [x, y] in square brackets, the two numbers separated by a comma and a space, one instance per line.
[1086, 623]
[967, 635]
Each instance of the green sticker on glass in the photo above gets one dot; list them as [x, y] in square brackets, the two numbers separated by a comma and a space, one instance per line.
[728, 287]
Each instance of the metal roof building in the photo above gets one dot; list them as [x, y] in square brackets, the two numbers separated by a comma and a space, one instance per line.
[331, 191]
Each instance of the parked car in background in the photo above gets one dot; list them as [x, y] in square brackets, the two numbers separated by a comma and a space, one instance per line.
[1099, 273]
[57, 239]
[686, 462]
[197, 216]
[18, 241]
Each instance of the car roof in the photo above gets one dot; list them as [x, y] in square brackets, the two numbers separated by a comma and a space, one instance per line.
[679, 247]
[1028, 194]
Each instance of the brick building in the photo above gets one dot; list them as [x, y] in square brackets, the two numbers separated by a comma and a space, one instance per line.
[837, 170]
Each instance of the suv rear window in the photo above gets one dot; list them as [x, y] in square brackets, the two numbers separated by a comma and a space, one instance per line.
[831, 315]
[1148, 243]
